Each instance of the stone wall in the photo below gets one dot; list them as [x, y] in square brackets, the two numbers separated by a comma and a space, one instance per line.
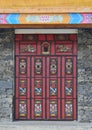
[85, 75]
[84, 83]
[6, 73]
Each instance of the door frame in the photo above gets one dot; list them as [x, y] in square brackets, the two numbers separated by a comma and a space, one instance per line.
[46, 31]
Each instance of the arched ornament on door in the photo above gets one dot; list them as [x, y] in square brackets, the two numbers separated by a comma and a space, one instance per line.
[46, 48]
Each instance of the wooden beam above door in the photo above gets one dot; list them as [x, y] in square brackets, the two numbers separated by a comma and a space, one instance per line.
[58, 26]
[41, 6]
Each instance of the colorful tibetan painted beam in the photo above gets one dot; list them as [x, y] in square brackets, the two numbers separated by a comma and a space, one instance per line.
[72, 18]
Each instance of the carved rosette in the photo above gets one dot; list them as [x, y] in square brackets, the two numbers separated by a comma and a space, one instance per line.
[53, 108]
[68, 109]
[53, 66]
[22, 109]
[38, 87]
[38, 66]
[53, 87]
[69, 66]
[22, 87]
[23, 66]
[38, 108]
[68, 87]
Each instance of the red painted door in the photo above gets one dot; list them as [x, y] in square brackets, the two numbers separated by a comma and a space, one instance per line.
[45, 79]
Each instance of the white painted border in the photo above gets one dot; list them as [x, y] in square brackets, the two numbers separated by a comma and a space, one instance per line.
[46, 31]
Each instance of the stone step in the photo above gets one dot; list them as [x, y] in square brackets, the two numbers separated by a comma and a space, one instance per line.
[41, 125]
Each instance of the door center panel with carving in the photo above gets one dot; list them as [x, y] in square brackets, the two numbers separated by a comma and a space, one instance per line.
[45, 77]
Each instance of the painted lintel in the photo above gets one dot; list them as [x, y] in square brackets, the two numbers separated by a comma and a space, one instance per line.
[70, 18]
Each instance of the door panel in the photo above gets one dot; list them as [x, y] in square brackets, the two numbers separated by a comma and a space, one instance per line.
[45, 77]
[22, 66]
[38, 88]
[38, 109]
[38, 66]
[53, 108]
[22, 109]
[68, 109]
[69, 66]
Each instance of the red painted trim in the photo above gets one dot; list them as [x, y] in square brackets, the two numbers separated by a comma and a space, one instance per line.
[17, 109]
[63, 109]
[28, 108]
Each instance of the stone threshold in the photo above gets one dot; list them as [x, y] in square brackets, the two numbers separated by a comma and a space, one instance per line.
[43, 123]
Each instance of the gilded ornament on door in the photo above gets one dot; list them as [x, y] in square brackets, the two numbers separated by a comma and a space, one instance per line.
[68, 108]
[38, 66]
[53, 108]
[45, 48]
[22, 87]
[53, 87]
[63, 48]
[38, 108]
[53, 66]
[69, 66]
[68, 87]
[38, 87]
[23, 66]
[28, 48]
[22, 108]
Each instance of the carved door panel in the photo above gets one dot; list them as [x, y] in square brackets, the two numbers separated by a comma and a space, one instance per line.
[45, 77]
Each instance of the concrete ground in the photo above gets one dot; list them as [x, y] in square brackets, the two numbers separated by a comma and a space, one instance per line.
[45, 125]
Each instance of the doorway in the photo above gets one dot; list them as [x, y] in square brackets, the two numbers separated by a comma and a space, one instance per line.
[45, 76]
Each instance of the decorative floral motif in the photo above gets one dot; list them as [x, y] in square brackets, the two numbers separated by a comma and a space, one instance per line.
[53, 66]
[87, 18]
[63, 48]
[44, 18]
[68, 108]
[69, 66]
[68, 18]
[53, 108]
[22, 108]
[38, 66]
[28, 48]
[38, 87]
[22, 87]
[23, 66]
[53, 87]
[68, 87]
[3, 19]
[38, 108]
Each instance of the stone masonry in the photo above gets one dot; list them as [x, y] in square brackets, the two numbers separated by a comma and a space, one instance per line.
[6, 74]
[85, 75]
[84, 82]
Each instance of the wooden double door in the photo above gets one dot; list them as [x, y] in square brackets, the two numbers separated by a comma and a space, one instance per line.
[45, 77]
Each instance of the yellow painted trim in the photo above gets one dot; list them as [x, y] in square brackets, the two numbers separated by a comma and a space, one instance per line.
[52, 10]
[45, 6]
[43, 3]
